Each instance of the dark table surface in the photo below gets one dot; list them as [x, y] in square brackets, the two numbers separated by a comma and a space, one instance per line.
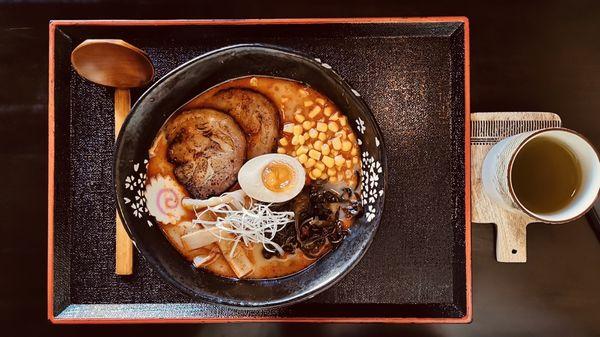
[525, 56]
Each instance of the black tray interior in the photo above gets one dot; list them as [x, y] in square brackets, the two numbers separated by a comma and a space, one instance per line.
[412, 77]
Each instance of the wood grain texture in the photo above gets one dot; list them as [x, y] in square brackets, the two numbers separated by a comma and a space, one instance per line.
[123, 244]
[113, 63]
[486, 130]
[122, 107]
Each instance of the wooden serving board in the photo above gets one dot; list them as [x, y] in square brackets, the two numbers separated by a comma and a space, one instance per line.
[488, 128]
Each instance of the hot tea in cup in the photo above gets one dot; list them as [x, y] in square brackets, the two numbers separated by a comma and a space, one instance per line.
[552, 174]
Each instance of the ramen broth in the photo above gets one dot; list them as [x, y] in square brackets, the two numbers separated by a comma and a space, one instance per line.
[284, 94]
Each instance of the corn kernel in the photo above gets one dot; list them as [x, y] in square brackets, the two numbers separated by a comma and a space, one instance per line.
[302, 158]
[332, 179]
[283, 142]
[328, 161]
[280, 150]
[334, 117]
[324, 176]
[311, 176]
[310, 163]
[307, 125]
[314, 112]
[348, 163]
[355, 160]
[327, 111]
[346, 146]
[316, 173]
[320, 100]
[333, 126]
[254, 82]
[320, 166]
[317, 145]
[322, 136]
[321, 127]
[288, 128]
[341, 134]
[310, 146]
[343, 121]
[314, 154]
[334, 153]
[331, 172]
[351, 136]
[308, 103]
[325, 149]
[297, 130]
[340, 175]
[302, 150]
[301, 139]
[299, 111]
[295, 140]
[336, 143]
[349, 173]
[299, 118]
[339, 160]
[354, 151]
[313, 133]
[293, 154]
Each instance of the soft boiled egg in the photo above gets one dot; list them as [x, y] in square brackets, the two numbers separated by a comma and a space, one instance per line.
[272, 177]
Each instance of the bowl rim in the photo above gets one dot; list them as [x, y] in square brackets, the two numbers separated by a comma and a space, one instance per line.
[241, 304]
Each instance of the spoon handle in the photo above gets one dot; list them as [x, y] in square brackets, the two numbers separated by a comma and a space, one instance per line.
[124, 246]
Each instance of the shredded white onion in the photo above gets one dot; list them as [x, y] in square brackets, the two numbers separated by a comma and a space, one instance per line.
[254, 224]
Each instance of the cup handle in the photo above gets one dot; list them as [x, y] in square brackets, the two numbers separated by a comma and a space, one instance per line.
[511, 239]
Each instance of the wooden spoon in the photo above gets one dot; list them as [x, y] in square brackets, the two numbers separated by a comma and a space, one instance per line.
[116, 64]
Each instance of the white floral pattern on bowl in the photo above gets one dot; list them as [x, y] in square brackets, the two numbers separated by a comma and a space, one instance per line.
[371, 183]
[135, 183]
[371, 179]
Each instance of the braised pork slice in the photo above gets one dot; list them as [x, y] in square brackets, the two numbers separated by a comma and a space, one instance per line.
[207, 148]
[257, 116]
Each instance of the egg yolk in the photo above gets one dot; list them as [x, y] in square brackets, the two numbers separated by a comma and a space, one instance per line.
[278, 176]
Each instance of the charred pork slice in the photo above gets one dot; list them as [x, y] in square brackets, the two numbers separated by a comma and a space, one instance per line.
[207, 148]
[255, 113]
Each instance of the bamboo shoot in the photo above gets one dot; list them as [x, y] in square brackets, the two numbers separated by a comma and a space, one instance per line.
[200, 238]
[238, 261]
[227, 198]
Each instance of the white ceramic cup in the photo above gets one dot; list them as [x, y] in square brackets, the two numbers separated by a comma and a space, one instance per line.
[497, 171]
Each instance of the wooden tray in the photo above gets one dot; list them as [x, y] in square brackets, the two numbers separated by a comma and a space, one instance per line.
[414, 75]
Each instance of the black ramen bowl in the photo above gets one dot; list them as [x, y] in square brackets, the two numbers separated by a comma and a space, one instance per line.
[178, 87]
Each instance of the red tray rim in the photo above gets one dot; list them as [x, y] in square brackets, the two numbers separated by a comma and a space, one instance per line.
[54, 24]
